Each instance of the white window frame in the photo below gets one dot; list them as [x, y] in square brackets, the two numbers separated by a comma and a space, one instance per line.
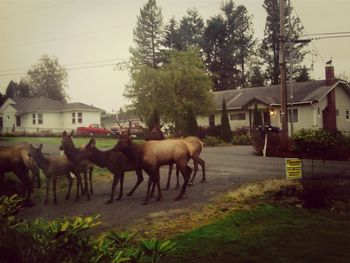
[80, 117]
[34, 118]
[235, 116]
[347, 114]
[73, 117]
[40, 118]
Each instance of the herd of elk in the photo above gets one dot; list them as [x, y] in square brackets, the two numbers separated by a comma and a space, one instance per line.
[125, 156]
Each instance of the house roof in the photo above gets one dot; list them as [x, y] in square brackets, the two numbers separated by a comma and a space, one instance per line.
[303, 92]
[24, 105]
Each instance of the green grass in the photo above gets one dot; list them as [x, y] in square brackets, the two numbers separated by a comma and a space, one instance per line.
[78, 141]
[267, 234]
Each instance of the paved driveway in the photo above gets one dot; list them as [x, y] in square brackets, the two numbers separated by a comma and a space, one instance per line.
[227, 168]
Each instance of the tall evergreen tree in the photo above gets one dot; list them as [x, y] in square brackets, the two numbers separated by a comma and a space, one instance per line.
[191, 30]
[270, 46]
[257, 77]
[148, 36]
[191, 122]
[154, 120]
[228, 43]
[171, 35]
[11, 90]
[226, 133]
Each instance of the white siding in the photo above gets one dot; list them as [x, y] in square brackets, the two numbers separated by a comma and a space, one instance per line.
[88, 118]
[8, 117]
[342, 102]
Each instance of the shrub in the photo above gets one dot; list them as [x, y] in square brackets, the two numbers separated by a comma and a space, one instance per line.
[212, 141]
[241, 136]
[275, 145]
[68, 240]
[318, 143]
[214, 131]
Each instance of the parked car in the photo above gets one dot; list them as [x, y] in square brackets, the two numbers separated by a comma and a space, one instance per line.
[93, 129]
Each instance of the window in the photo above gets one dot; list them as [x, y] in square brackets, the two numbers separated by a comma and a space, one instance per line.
[40, 118]
[34, 119]
[318, 111]
[73, 117]
[18, 121]
[238, 116]
[347, 115]
[212, 120]
[295, 116]
[80, 117]
[337, 111]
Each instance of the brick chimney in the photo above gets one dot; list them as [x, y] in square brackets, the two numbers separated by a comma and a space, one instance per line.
[329, 75]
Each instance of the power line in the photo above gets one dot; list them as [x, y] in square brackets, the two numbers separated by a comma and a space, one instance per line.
[329, 33]
[317, 38]
[319, 54]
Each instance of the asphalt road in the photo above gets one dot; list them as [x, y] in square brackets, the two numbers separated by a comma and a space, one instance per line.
[227, 168]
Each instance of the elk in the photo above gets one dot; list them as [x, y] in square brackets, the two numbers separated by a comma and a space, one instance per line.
[195, 147]
[82, 165]
[53, 167]
[153, 154]
[16, 160]
[116, 162]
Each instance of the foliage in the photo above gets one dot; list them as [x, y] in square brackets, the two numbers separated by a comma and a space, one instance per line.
[148, 36]
[171, 35]
[190, 32]
[68, 240]
[21, 89]
[212, 141]
[228, 43]
[275, 145]
[319, 143]
[172, 88]
[257, 77]
[226, 133]
[241, 136]
[48, 78]
[270, 46]
[153, 120]
[214, 131]
[191, 127]
[303, 75]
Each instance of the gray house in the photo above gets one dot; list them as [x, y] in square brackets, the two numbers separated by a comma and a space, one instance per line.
[321, 103]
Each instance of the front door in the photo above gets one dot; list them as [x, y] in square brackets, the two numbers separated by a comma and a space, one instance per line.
[267, 120]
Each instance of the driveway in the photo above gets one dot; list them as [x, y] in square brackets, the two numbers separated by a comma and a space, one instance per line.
[227, 168]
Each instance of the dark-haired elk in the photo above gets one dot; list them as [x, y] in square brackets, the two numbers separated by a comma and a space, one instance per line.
[54, 167]
[15, 159]
[82, 165]
[116, 162]
[151, 155]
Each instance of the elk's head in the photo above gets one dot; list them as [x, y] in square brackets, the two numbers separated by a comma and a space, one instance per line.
[124, 141]
[35, 153]
[66, 142]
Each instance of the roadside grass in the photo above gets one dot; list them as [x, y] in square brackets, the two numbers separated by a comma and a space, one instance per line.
[267, 233]
[78, 141]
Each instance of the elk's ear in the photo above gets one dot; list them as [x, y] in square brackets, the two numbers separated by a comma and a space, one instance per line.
[91, 143]
[40, 146]
[64, 134]
[72, 133]
[129, 134]
[29, 155]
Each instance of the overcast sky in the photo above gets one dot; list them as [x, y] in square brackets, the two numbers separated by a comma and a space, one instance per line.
[86, 33]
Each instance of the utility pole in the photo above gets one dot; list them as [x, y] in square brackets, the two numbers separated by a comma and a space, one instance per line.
[282, 62]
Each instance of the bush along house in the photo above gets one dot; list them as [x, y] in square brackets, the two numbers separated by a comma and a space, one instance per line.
[45, 116]
[314, 104]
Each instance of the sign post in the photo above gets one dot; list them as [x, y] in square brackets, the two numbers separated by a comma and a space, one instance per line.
[293, 168]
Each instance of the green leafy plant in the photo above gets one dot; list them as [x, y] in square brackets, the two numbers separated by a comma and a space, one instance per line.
[156, 249]
[212, 141]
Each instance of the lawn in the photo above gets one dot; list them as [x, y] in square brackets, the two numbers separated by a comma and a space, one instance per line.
[267, 233]
[78, 141]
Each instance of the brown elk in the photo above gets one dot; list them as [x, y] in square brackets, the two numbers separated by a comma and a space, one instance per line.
[16, 160]
[195, 147]
[116, 162]
[151, 155]
[54, 167]
[82, 165]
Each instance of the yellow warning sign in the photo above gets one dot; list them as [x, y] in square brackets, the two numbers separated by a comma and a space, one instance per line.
[293, 168]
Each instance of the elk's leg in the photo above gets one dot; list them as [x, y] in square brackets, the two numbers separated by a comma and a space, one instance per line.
[177, 177]
[86, 185]
[151, 174]
[91, 169]
[186, 174]
[139, 181]
[77, 175]
[169, 176]
[202, 163]
[121, 185]
[157, 181]
[23, 175]
[48, 182]
[70, 182]
[54, 184]
[195, 168]
[114, 184]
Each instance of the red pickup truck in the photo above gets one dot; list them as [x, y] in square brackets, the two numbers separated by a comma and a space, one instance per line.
[93, 129]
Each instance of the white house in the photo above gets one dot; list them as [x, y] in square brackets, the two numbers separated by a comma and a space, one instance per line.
[43, 115]
[321, 103]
